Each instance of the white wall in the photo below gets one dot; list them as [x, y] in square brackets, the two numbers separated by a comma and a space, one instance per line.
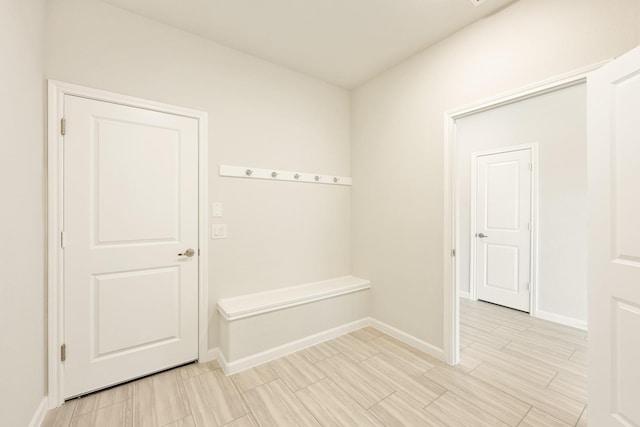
[260, 115]
[398, 137]
[557, 122]
[22, 305]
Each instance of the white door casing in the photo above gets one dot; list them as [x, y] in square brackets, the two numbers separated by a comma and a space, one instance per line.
[613, 111]
[503, 228]
[130, 207]
[451, 344]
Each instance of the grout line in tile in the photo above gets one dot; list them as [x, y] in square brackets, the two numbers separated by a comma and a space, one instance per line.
[347, 393]
[133, 405]
[507, 344]
[480, 364]
[487, 384]
[75, 409]
[102, 407]
[551, 380]
[368, 358]
[524, 416]
[581, 414]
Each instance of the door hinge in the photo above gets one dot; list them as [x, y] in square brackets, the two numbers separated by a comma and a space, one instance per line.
[198, 252]
[62, 239]
[453, 252]
[529, 226]
[530, 167]
[63, 352]
[63, 126]
[528, 287]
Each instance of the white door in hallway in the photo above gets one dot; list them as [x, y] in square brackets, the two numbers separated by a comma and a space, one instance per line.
[503, 237]
[130, 243]
[613, 111]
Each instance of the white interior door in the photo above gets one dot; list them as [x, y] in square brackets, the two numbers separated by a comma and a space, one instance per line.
[130, 209]
[503, 236]
[613, 107]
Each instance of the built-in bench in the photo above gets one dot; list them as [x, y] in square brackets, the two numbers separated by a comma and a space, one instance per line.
[263, 326]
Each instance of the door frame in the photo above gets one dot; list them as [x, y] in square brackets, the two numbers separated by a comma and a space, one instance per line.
[451, 214]
[55, 220]
[533, 242]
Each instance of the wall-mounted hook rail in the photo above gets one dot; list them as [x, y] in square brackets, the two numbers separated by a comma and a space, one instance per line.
[280, 175]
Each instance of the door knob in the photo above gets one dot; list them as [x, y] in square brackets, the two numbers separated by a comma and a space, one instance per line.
[481, 235]
[188, 252]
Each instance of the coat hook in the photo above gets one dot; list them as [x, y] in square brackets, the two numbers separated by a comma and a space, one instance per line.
[274, 174]
[296, 176]
[317, 178]
[248, 172]
[335, 180]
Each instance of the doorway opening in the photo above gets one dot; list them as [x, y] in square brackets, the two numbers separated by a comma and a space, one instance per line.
[516, 194]
[456, 240]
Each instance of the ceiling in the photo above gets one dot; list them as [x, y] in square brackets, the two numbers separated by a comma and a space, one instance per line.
[343, 42]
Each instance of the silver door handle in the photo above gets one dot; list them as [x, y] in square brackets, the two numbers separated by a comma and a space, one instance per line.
[189, 253]
[481, 235]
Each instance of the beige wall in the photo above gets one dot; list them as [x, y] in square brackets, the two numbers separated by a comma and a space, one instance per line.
[397, 147]
[557, 123]
[266, 116]
[22, 289]
[260, 115]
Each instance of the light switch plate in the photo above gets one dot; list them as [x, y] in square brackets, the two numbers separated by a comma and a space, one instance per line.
[216, 209]
[219, 231]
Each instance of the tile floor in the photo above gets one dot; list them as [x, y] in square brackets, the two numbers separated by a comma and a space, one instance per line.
[515, 371]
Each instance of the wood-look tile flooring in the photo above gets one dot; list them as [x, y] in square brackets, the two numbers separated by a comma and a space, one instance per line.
[515, 371]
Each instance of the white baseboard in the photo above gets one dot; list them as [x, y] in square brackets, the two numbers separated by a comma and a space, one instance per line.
[224, 364]
[563, 320]
[465, 295]
[212, 354]
[239, 365]
[408, 339]
[38, 416]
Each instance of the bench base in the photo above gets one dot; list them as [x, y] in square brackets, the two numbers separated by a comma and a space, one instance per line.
[252, 334]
